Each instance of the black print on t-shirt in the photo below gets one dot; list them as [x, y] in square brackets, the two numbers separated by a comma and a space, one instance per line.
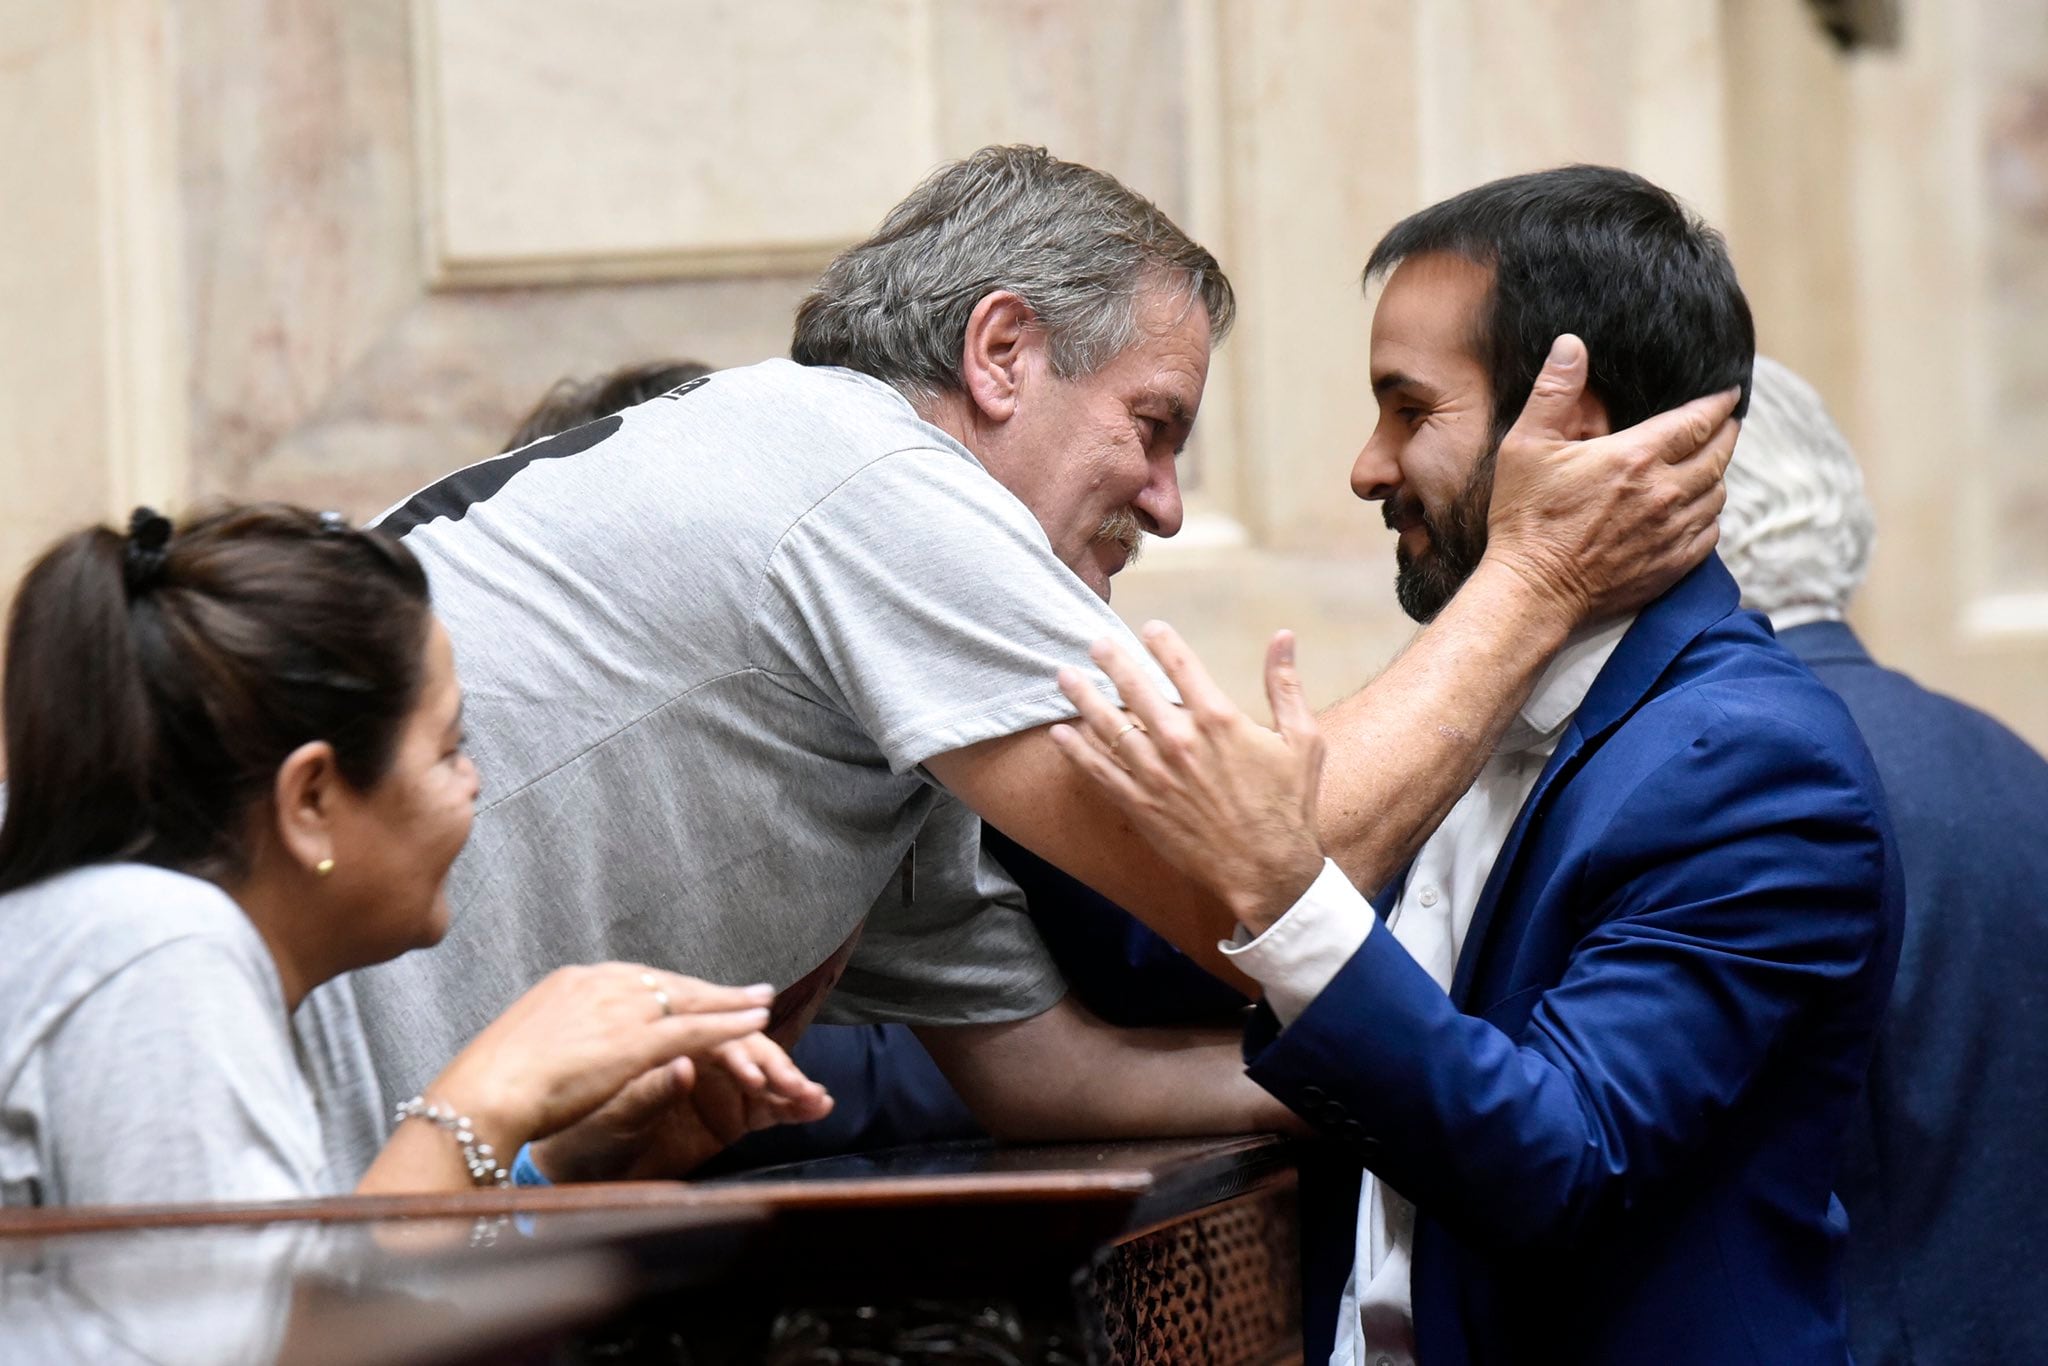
[454, 496]
[686, 386]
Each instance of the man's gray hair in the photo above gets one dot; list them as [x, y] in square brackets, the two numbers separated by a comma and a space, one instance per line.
[1797, 529]
[1075, 244]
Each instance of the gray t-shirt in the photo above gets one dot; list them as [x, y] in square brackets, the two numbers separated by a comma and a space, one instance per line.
[706, 645]
[145, 1055]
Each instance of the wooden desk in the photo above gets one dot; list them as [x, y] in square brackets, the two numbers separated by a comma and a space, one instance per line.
[1177, 1251]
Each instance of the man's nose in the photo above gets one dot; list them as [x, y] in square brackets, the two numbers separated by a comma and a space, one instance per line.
[1158, 504]
[1375, 474]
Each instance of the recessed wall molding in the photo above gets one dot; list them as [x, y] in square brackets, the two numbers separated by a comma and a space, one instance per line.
[567, 144]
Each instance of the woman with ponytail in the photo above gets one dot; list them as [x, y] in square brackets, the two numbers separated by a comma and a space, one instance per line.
[235, 771]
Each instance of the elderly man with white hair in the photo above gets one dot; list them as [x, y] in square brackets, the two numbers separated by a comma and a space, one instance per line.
[1944, 1183]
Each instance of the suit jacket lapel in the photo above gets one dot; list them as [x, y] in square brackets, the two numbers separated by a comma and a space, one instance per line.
[1661, 631]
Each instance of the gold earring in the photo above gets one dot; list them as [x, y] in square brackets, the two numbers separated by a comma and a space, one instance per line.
[323, 867]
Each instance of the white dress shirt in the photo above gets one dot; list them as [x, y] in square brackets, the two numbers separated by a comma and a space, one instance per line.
[1301, 953]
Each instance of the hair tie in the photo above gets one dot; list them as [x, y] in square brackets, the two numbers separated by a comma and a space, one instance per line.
[142, 561]
[334, 524]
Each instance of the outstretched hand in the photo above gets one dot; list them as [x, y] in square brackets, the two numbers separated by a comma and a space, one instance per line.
[1229, 802]
[580, 1036]
[1601, 526]
[672, 1120]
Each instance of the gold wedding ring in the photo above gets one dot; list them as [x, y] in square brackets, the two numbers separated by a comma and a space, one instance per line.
[1118, 738]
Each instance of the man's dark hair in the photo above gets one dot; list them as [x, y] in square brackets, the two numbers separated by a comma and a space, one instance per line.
[156, 680]
[573, 402]
[1604, 254]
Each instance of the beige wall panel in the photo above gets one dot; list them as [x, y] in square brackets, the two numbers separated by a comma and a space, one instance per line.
[1789, 130]
[91, 380]
[328, 368]
[1518, 87]
[302, 245]
[322, 369]
[653, 136]
[54, 382]
[1100, 84]
[1916, 232]
[1319, 158]
[443, 386]
[2012, 49]
[1677, 98]
[1507, 88]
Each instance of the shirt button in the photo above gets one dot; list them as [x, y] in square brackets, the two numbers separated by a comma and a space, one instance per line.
[1428, 898]
[1384, 1361]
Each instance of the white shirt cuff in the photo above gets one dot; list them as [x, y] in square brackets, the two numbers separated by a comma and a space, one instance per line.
[1302, 951]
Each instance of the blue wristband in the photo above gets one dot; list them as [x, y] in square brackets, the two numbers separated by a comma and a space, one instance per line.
[524, 1173]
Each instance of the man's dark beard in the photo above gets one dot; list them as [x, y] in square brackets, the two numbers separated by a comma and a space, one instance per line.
[1457, 540]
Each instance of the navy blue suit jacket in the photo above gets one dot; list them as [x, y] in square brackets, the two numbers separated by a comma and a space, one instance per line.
[1946, 1181]
[1622, 1127]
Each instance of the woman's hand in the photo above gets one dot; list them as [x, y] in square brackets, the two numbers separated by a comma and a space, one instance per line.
[1221, 797]
[746, 1085]
[674, 1119]
[583, 1035]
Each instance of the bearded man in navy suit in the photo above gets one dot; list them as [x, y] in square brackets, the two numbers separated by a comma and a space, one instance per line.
[1588, 1063]
[1944, 1183]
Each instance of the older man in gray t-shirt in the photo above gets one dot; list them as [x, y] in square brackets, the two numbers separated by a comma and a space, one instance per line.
[702, 713]
[745, 663]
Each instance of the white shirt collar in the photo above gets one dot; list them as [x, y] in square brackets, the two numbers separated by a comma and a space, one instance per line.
[1563, 686]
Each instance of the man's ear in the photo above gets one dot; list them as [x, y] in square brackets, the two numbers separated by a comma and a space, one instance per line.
[305, 794]
[1002, 338]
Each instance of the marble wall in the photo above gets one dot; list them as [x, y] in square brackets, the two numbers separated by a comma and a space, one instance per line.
[92, 385]
[326, 252]
[406, 220]
[2014, 45]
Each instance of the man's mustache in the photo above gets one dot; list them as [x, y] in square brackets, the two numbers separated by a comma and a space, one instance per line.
[1402, 510]
[1122, 528]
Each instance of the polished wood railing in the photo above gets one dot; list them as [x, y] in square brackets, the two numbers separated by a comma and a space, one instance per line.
[1177, 1251]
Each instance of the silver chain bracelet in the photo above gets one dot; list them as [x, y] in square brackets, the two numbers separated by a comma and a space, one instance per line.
[478, 1157]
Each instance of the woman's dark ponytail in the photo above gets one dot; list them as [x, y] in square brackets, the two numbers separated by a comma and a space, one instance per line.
[81, 736]
[156, 680]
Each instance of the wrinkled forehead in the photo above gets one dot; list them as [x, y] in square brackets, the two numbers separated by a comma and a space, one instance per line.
[1169, 351]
